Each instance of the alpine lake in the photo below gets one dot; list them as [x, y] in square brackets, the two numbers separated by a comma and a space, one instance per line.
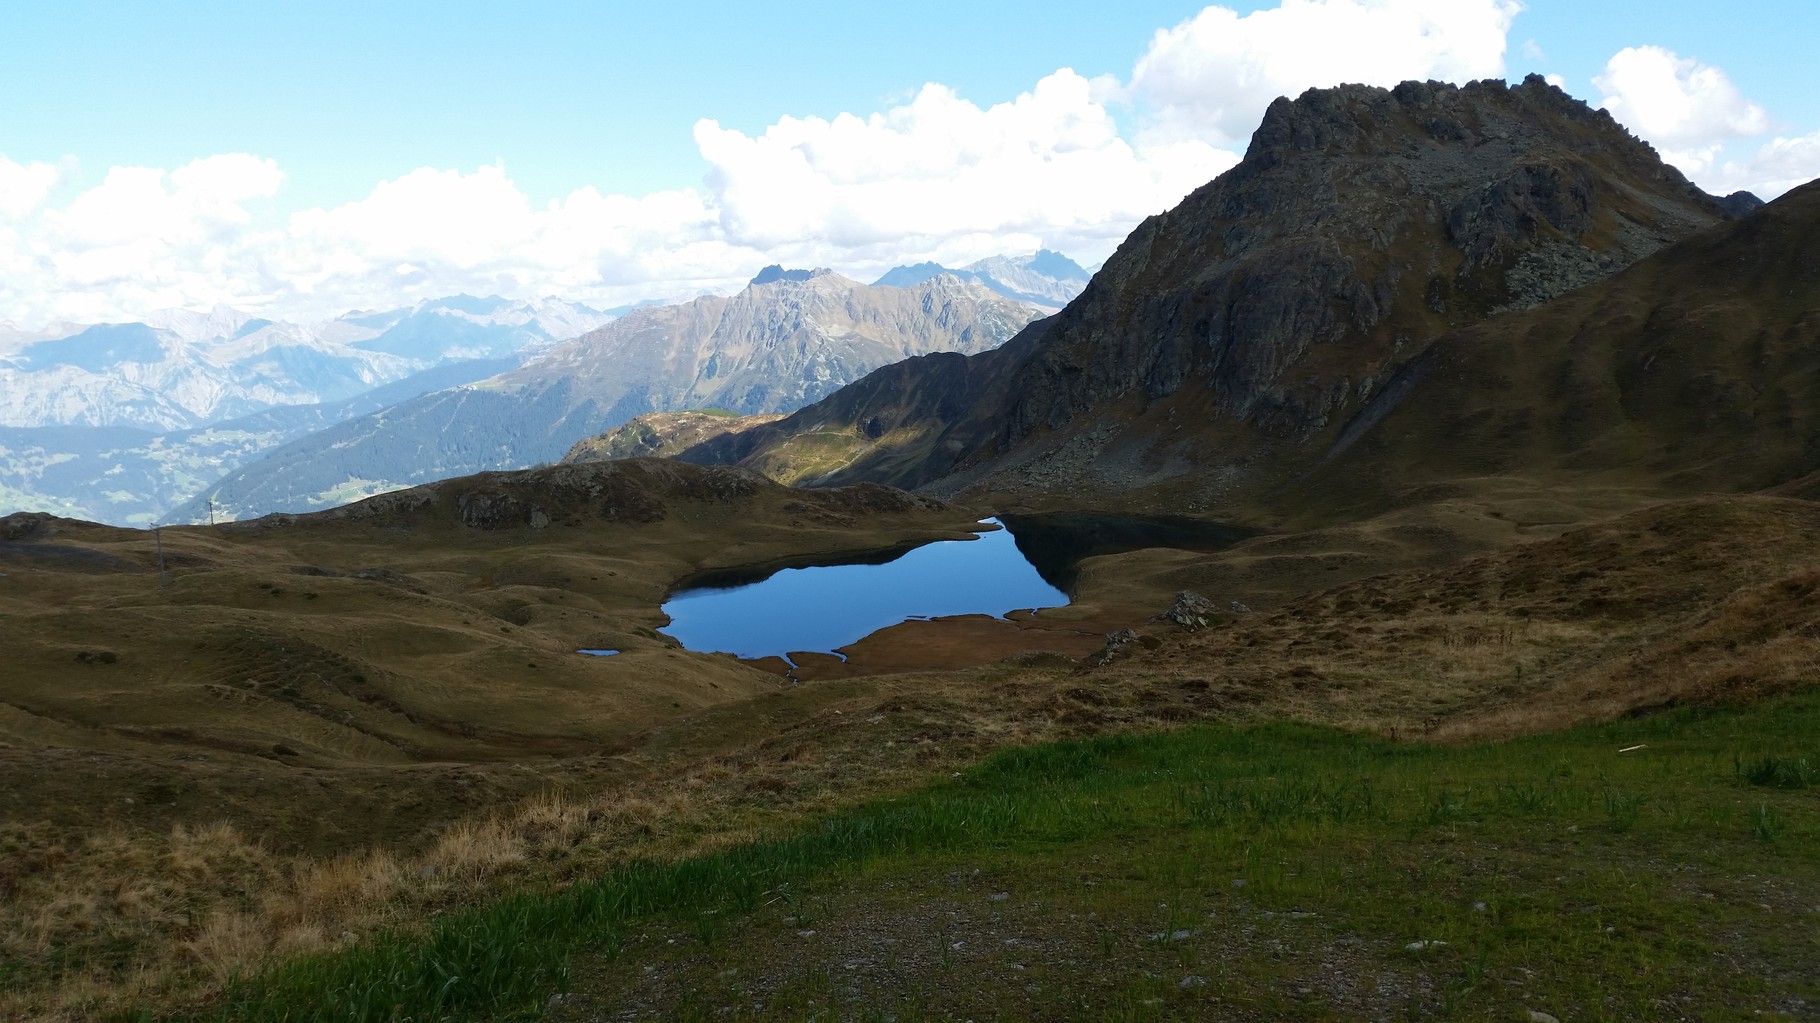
[1014, 566]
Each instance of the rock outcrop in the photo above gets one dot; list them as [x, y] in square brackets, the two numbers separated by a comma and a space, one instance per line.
[1191, 611]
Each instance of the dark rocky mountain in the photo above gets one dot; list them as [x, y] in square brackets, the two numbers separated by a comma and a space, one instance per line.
[775, 346]
[1696, 370]
[1231, 337]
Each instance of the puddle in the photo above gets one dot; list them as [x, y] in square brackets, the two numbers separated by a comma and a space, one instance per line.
[597, 652]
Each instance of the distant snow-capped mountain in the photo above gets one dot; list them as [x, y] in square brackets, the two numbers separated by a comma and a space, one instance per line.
[1046, 279]
[119, 422]
[182, 369]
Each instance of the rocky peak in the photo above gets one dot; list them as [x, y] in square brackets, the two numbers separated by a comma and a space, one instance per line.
[775, 272]
[1362, 223]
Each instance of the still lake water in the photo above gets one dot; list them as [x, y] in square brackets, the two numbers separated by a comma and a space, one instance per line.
[823, 605]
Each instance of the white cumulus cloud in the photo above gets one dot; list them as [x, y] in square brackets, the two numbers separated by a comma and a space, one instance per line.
[1689, 110]
[939, 176]
[143, 238]
[1212, 76]
[1779, 165]
[23, 186]
[921, 178]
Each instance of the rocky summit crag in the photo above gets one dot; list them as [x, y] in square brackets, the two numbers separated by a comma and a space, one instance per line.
[1271, 303]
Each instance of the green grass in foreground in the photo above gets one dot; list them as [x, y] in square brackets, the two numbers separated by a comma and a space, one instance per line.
[1555, 872]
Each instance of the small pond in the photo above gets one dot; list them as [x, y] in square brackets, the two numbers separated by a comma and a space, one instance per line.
[824, 604]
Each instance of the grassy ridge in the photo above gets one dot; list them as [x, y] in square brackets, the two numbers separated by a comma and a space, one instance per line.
[1600, 878]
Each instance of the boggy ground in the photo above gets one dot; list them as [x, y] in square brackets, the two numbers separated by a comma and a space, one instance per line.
[1488, 611]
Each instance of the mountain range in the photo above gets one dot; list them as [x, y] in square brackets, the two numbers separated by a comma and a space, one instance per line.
[1291, 315]
[179, 370]
[120, 422]
[1045, 279]
[787, 339]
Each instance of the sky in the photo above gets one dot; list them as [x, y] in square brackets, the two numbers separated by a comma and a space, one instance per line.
[298, 160]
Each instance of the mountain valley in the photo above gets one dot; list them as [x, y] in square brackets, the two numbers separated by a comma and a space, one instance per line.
[775, 346]
[123, 422]
[1503, 667]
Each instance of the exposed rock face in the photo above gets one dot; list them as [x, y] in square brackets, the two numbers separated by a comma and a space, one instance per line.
[1362, 223]
[776, 345]
[1118, 644]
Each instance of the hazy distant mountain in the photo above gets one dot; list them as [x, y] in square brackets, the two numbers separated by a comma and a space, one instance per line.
[120, 422]
[776, 272]
[1043, 278]
[775, 346]
[180, 369]
[132, 477]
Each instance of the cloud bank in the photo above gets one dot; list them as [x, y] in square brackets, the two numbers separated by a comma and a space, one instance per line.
[1072, 164]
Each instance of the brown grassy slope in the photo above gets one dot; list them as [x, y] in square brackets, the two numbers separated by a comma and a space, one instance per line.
[426, 628]
[1688, 600]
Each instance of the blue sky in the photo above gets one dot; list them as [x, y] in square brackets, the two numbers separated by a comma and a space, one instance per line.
[359, 154]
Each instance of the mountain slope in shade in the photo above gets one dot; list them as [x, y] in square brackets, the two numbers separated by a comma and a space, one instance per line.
[1048, 280]
[773, 347]
[1249, 322]
[1695, 370]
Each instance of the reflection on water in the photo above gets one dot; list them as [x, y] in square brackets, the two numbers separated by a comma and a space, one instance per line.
[822, 607]
[601, 652]
[1057, 542]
